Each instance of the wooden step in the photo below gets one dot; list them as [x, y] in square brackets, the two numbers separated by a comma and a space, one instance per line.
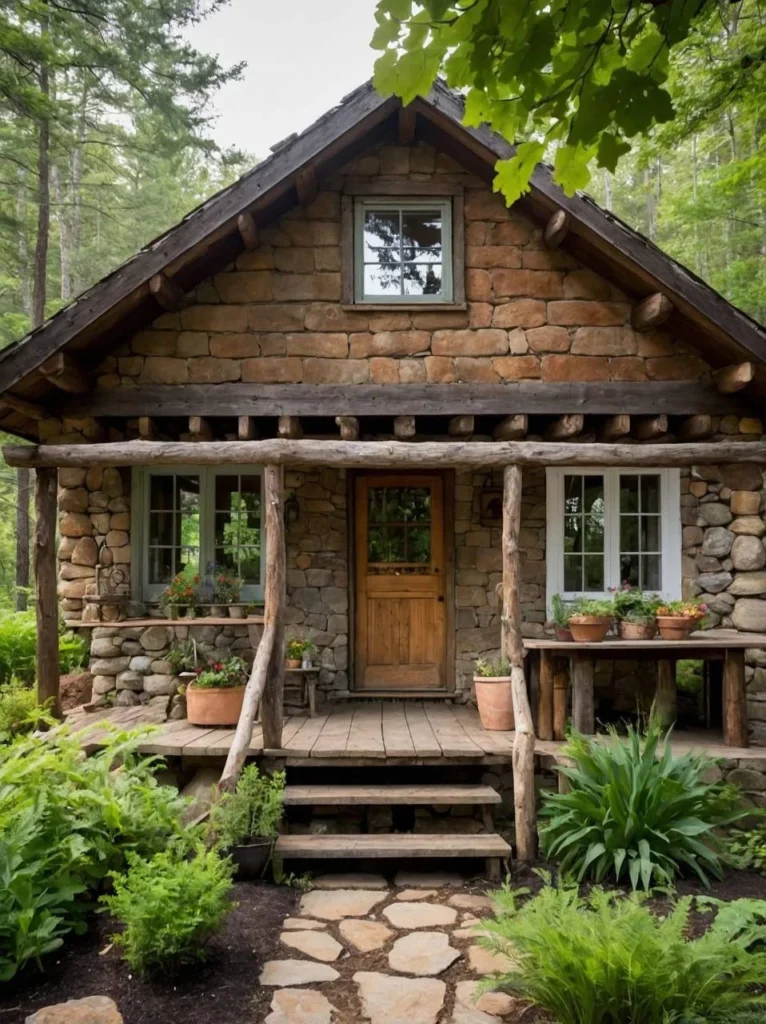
[388, 796]
[377, 847]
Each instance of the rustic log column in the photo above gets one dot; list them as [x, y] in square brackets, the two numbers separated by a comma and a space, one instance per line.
[274, 604]
[46, 603]
[665, 698]
[560, 697]
[734, 699]
[583, 713]
[513, 650]
[545, 697]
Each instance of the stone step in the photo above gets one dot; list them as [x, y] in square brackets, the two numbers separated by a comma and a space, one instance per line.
[389, 796]
[377, 847]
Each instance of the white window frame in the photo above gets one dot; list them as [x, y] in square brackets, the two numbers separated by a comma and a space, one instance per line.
[445, 208]
[140, 491]
[670, 525]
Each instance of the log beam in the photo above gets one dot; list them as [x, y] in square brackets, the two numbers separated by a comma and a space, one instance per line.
[62, 371]
[384, 454]
[614, 428]
[583, 708]
[652, 312]
[461, 426]
[289, 427]
[556, 229]
[274, 600]
[524, 797]
[695, 428]
[733, 378]
[512, 428]
[565, 427]
[349, 427]
[147, 428]
[246, 430]
[560, 698]
[735, 732]
[248, 230]
[406, 127]
[650, 428]
[200, 429]
[307, 186]
[23, 407]
[46, 604]
[167, 293]
[404, 427]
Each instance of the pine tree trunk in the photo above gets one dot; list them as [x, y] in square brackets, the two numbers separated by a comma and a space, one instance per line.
[44, 204]
[22, 538]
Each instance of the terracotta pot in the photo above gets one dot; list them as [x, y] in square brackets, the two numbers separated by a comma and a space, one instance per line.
[292, 662]
[637, 629]
[236, 611]
[214, 706]
[563, 634]
[218, 611]
[495, 700]
[191, 613]
[676, 627]
[590, 629]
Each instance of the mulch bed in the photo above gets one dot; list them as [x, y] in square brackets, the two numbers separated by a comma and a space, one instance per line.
[220, 991]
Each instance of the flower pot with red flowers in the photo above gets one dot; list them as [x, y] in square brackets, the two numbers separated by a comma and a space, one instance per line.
[226, 590]
[636, 613]
[494, 695]
[590, 620]
[677, 619]
[182, 593]
[214, 697]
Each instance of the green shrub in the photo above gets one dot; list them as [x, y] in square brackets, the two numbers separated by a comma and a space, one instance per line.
[18, 644]
[605, 958]
[18, 709]
[748, 848]
[253, 809]
[492, 669]
[632, 605]
[73, 652]
[170, 906]
[595, 607]
[66, 821]
[632, 812]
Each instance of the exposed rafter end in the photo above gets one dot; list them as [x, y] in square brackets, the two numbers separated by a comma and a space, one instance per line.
[349, 427]
[407, 124]
[248, 230]
[64, 372]
[614, 428]
[289, 427]
[167, 293]
[461, 426]
[22, 406]
[246, 429]
[307, 186]
[565, 426]
[512, 428]
[556, 229]
[147, 428]
[404, 428]
[733, 378]
[652, 312]
[696, 428]
[651, 428]
[199, 429]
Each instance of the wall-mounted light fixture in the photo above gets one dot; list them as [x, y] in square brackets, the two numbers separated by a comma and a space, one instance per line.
[292, 509]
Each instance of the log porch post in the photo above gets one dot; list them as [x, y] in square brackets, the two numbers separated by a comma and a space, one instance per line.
[512, 649]
[46, 604]
[734, 699]
[274, 605]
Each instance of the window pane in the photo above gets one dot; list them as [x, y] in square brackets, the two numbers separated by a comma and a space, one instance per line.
[376, 504]
[573, 494]
[629, 569]
[594, 572]
[189, 559]
[593, 491]
[160, 565]
[412, 255]
[629, 533]
[650, 494]
[419, 544]
[377, 549]
[397, 545]
[382, 280]
[573, 573]
[161, 493]
[573, 533]
[250, 566]
[237, 524]
[594, 533]
[629, 493]
[421, 228]
[650, 533]
[161, 528]
[381, 229]
[226, 493]
[422, 279]
[651, 572]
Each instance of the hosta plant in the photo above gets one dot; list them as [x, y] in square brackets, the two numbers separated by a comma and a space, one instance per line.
[636, 812]
[605, 958]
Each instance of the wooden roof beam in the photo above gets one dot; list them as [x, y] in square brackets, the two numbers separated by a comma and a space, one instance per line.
[652, 312]
[23, 406]
[307, 186]
[695, 428]
[733, 378]
[556, 229]
[614, 428]
[62, 371]
[651, 427]
[167, 293]
[289, 427]
[407, 124]
[565, 427]
[248, 230]
[200, 429]
[512, 428]
[246, 428]
[405, 428]
[461, 426]
[349, 427]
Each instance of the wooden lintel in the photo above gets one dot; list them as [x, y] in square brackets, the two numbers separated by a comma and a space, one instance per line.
[407, 123]
[307, 186]
[349, 427]
[695, 428]
[404, 427]
[652, 312]
[23, 406]
[512, 428]
[564, 427]
[385, 454]
[733, 378]
[461, 426]
[248, 230]
[147, 428]
[614, 428]
[651, 427]
[64, 372]
[167, 293]
[556, 229]
[289, 427]
[246, 430]
[200, 429]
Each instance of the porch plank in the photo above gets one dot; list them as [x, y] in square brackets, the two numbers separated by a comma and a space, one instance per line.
[332, 740]
[489, 742]
[396, 733]
[173, 738]
[303, 741]
[395, 845]
[366, 734]
[290, 728]
[215, 743]
[372, 796]
[450, 734]
[423, 739]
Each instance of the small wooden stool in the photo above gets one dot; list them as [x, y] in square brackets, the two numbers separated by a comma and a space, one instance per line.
[307, 684]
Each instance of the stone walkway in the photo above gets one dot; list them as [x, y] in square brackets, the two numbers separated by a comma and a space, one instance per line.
[360, 950]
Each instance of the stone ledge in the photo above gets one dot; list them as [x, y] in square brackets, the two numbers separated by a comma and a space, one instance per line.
[209, 620]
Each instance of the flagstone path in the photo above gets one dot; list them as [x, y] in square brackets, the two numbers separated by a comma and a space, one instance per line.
[361, 950]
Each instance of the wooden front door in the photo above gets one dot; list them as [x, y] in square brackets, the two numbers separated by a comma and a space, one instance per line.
[400, 582]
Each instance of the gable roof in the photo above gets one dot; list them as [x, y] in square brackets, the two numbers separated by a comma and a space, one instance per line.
[207, 238]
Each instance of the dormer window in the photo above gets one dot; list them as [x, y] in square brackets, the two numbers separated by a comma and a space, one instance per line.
[403, 251]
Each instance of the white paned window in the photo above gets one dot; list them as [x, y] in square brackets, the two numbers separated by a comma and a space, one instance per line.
[403, 251]
[196, 517]
[606, 527]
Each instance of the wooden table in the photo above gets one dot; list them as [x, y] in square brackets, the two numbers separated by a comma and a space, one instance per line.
[727, 645]
[308, 678]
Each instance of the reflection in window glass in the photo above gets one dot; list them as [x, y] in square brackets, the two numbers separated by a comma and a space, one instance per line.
[402, 252]
[238, 525]
[174, 525]
[399, 527]
[640, 531]
[584, 532]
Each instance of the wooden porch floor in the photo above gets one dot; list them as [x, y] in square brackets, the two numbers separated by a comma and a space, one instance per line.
[365, 733]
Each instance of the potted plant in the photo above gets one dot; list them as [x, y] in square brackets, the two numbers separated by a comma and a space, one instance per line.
[561, 612]
[294, 651]
[246, 822]
[227, 586]
[181, 592]
[492, 682]
[589, 620]
[677, 619]
[636, 613]
[214, 697]
[182, 658]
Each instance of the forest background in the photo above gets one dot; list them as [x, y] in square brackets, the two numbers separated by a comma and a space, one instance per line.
[105, 141]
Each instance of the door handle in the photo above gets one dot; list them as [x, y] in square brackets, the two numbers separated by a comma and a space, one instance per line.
[441, 598]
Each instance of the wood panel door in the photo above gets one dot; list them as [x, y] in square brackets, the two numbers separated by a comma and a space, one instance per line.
[401, 634]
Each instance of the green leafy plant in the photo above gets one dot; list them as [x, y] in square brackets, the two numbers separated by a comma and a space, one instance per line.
[170, 906]
[295, 648]
[488, 669]
[748, 848]
[182, 657]
[19, 711]
[605, 958]
[219, 674]
[227, 585]
[632, 605]
[585, 607]
[18, 645]
[637, 812]
[182, 591]
[65, 821]
[562, 611]
[254, 809]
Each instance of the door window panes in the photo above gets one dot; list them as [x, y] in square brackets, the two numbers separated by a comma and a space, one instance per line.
[399, 525]
[640, 552]
[584, 532]
[238, 525]
[174, 525]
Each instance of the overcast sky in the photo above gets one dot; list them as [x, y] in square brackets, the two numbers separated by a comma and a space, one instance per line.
[302, 57]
